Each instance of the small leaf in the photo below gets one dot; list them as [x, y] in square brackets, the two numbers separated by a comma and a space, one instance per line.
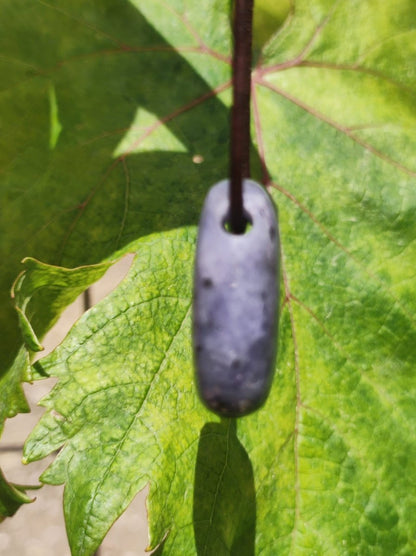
[12, 497]
[42, 291]
[29, 336]
[12, 399]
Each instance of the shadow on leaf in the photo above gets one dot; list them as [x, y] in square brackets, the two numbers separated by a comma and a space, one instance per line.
[113, 174]
[224, 512]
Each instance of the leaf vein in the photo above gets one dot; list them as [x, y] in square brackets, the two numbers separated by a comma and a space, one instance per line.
[342, 129]
[334, 240]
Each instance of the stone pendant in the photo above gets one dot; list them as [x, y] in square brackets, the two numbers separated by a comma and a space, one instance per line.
[236, 302]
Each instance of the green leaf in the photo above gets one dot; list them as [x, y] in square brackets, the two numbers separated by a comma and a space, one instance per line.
[12, 400]
[40, 294]
[120, 406]
[332, 455]
[12, 497]
[42, 291]
[105, 181]
[100, 186]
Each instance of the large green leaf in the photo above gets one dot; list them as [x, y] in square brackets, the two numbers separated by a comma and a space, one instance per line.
[98, 135]
[106, 130]
[97, 143]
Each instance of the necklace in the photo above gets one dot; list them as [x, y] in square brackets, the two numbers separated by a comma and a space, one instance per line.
[236, 280]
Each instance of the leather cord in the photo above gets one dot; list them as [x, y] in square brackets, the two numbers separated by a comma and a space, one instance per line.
[240, 112]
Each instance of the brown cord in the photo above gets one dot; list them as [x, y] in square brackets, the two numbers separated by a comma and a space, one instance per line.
[240, 112]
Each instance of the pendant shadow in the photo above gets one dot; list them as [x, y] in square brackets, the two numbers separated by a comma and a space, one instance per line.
[224, 510]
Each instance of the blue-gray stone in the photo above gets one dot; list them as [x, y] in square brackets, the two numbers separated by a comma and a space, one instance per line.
[236, 296]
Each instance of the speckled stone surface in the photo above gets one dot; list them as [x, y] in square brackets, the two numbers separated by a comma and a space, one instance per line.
[235, 311]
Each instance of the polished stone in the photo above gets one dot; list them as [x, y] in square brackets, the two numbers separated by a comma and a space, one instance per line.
[235, 310]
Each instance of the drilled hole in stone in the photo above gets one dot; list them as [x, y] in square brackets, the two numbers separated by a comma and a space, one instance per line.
[247, 224]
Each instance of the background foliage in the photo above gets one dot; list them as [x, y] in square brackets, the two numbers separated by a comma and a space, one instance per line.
[114, 125]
